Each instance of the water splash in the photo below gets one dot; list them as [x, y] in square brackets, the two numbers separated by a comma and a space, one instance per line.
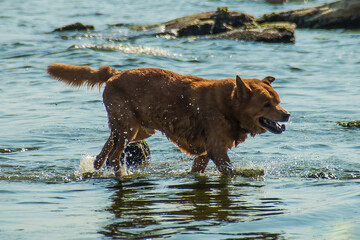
[86, 170]
[87, 164]
[166, 169]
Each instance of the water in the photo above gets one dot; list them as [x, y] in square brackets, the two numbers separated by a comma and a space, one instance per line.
[50, 132]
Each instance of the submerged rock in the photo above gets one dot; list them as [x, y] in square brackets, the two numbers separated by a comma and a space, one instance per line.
[322, 175]
[78, 26]
[339, 14]
[351, 124]
[224, 24]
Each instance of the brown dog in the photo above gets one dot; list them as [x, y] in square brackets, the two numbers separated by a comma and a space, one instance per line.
[202, 117]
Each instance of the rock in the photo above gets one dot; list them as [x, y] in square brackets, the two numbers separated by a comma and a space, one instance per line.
[351, 124]
[203, 28]
[204, 23]
[249, 172]
[224, 24]
[78, 26]
[276, 33]
[322, 175]
[135, 154]
[339, 14]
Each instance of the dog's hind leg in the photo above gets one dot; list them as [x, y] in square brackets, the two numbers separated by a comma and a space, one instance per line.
[102, 156]
[200, 163]
[121, 139]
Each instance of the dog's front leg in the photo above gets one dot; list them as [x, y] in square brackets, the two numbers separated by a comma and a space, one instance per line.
[112, 151]
[222, 161]
[114, 159]
[200, 163]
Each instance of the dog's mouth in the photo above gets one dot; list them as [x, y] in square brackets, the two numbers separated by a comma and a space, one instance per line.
[271, 125]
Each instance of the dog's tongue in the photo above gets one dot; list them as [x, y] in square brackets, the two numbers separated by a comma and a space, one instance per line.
[283, 127]
[279, 128]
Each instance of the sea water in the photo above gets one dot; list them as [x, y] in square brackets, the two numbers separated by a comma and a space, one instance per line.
[51, 132]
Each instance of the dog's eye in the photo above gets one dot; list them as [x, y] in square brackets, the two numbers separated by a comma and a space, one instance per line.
[267, 105]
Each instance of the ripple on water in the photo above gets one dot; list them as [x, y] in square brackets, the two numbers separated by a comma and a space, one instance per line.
[177, 205]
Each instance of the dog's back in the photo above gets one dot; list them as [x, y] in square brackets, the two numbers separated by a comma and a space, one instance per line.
[177, 105]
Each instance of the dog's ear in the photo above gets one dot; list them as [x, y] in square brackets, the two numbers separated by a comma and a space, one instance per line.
[268, 80]
[243, 89]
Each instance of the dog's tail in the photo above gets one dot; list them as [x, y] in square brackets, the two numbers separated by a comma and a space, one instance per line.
[79, 75]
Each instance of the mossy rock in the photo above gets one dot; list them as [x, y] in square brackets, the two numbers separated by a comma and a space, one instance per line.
[249, 172]
[351, 124]
[289, 26]
[277, 32]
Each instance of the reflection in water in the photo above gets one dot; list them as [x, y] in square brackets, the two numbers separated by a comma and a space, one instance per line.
[151, 208]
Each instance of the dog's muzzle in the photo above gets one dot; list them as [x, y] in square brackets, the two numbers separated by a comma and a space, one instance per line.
[274, 126]
[285, 117]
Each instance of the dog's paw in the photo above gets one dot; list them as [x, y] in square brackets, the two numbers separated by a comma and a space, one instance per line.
[227, 170]
[122, 172]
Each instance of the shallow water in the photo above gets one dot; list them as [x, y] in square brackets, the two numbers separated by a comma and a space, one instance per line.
[50, 132]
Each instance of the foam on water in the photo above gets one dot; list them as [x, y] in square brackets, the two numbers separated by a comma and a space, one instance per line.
[86, 169]
[128, 48]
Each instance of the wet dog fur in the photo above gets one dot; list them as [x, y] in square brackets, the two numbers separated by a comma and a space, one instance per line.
[202, 117]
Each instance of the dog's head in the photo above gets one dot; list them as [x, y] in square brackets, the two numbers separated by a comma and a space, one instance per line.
[259, 108]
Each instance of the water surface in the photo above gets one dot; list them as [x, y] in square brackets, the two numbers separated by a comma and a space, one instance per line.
[50, 131]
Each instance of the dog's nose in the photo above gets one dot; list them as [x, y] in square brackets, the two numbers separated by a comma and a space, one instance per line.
[285, 117]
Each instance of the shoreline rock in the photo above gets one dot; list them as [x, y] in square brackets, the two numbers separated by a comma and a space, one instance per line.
[203, 23]
[271, 28]
[340, 14]
[224, 24]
